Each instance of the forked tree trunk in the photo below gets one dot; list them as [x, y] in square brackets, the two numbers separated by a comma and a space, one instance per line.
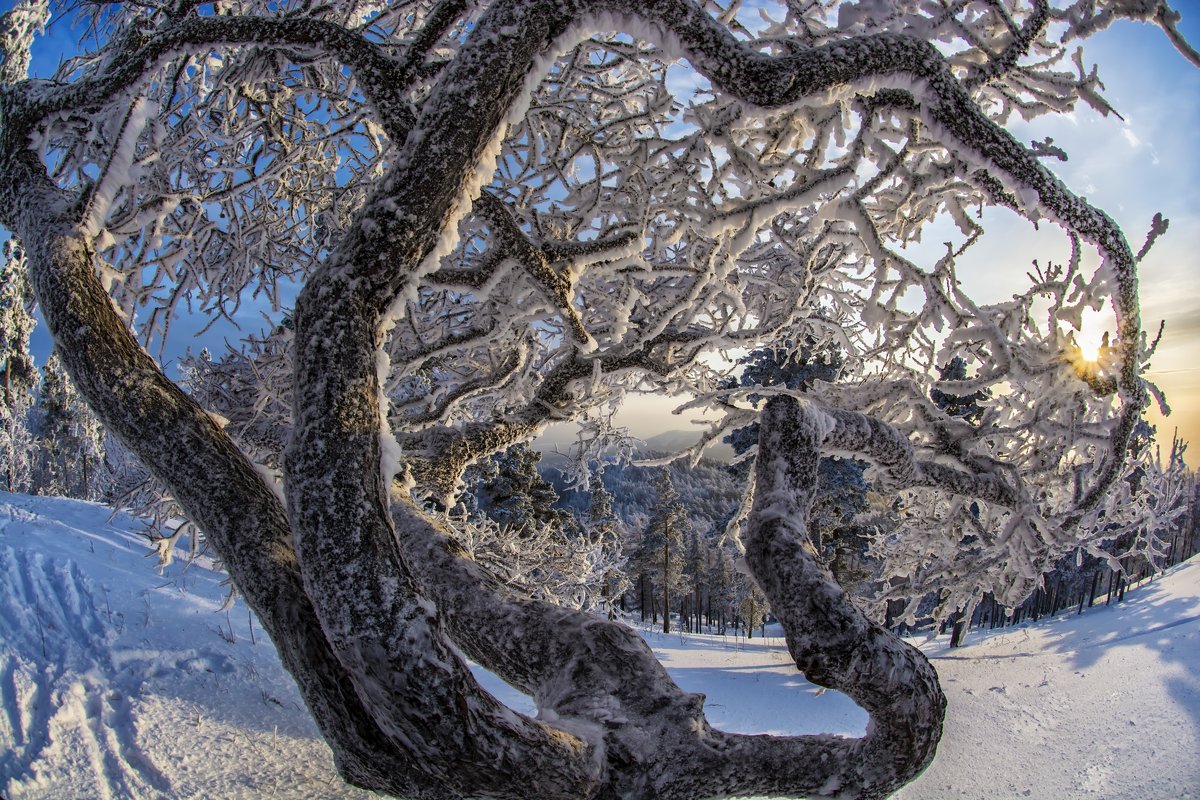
[597, 678]
[368, 605]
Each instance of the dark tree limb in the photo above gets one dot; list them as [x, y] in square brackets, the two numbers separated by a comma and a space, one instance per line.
[345, 606]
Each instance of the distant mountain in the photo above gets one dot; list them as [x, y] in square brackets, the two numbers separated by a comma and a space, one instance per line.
[559, 439]
[674, 441]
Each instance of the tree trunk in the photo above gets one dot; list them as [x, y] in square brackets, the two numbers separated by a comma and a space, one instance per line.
[361, 598]
[666, 587]
[957, 631]
[642, 595]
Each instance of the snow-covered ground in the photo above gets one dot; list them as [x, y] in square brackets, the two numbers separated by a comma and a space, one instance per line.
[117, 681]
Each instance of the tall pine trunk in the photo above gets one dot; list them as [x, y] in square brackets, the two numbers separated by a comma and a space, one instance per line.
[666, 583]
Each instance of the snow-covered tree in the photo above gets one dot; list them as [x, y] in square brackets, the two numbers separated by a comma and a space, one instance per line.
[968, 407]
[515, 530]
[69, 438]
[17, 30]
[511, 492]
[606, 533]
[659, 556]
[842, 492]
[540, 562]
[497, 215]
[18, 372]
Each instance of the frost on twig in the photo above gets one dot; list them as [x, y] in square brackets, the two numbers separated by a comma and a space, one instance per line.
[1158, 226]
[467, 221]
[18, 27]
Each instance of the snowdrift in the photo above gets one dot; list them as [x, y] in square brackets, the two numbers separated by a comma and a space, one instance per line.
[118, 680]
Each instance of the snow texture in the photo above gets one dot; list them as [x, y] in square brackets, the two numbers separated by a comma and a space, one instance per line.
[122, 683]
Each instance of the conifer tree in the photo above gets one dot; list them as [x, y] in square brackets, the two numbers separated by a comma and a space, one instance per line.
[752, 606]
[720, 579]
[842, 489]
[18, 372]
[70, 438]
[660, 556]
[511, 491]
[967, 407]
[696, 573]
[604, 530]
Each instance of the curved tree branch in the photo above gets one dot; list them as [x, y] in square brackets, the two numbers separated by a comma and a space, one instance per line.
[877, 441]
[419, 724]
[382, 78]
[204, 470]
[343, 531]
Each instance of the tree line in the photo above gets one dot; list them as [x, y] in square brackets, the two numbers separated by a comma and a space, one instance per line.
[51, 441]
[652, 543]
[655, 542]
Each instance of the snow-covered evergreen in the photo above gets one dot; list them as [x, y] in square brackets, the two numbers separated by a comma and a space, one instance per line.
[18, 373]
[658, 558]
[70, 439]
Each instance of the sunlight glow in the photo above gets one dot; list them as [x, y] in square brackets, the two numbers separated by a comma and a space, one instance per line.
[1089, 345]
[1093, 338]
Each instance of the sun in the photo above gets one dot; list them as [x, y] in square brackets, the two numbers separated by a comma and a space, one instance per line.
[1092, 338]
[1090, 342]
[1090, 353]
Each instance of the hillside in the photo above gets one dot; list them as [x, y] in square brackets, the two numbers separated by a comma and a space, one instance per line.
[120, 682]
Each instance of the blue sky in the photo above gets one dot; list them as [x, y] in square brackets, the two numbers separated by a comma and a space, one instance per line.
[1131, 168]
[1134, 168]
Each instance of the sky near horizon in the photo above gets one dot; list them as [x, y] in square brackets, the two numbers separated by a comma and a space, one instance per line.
[1131, 168]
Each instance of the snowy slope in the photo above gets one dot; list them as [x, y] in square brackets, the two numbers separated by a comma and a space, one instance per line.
[1104, 705]
[116, 681]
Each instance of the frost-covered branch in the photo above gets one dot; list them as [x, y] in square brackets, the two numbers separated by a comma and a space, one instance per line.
[497, 216]
[143, 52]
[865, 436]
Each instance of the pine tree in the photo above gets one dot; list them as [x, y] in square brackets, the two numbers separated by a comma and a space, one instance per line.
[969, 408]
[18, 372]
[795, 367]
[720, 579]
[70, 438]
[965, 406]
[696, 573]
[752, 605]
[660, 557]
[511, 491]
[604, 530]
[842, 492]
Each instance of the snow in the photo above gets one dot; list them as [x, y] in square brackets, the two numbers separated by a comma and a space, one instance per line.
[1102, 705]
[119, 681]
[117, 174]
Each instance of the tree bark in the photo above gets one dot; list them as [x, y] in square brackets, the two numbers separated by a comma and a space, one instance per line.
[343, 582]
[220, 489]
[666, 582]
